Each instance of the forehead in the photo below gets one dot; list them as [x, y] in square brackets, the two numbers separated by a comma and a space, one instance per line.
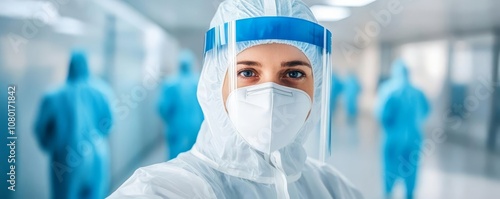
[273, 52]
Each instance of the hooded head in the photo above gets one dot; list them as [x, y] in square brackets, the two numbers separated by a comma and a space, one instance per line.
[78, 69]
[186, 61]
[218, 142]
[399, 71]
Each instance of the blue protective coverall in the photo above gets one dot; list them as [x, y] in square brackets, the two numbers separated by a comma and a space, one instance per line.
[351, 93]
[401, 110]
[179, 108]
[72, 126]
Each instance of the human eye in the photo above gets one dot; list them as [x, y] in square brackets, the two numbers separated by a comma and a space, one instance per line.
[295, 74]
[246, 73]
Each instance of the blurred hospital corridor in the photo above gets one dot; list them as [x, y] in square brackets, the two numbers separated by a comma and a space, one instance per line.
[400, 98]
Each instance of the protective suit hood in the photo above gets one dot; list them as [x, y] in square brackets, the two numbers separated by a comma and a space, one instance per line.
[399, 70]
[218, 143]
[78, 68]
[186, 62]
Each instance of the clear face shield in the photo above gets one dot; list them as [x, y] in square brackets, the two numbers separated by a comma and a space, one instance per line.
[277, 83]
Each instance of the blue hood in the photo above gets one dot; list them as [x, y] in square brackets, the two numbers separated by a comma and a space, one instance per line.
[78, 68]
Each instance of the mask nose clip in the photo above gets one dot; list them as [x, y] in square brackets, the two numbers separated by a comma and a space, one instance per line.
[269, 87]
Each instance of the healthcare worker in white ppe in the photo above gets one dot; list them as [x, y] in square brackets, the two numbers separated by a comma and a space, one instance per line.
[264, 87]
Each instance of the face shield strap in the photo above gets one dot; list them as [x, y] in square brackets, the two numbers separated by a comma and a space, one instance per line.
[264, 28]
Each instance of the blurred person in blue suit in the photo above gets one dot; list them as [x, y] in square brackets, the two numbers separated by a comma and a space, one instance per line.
[401, 110]
[351, 93]
[179, 108]
[72, 126]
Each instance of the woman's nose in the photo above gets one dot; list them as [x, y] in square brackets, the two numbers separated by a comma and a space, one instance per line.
[271, 77]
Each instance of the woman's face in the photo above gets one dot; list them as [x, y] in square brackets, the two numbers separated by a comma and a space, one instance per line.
[279, 63]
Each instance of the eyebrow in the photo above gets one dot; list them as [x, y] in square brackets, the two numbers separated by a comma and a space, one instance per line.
[249, 63]
[295, 63]
[283, 64]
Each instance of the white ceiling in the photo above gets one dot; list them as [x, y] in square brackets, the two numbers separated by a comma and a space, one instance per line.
[419, 19]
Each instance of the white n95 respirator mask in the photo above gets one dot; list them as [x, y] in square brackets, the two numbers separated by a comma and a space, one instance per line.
[268, 116]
